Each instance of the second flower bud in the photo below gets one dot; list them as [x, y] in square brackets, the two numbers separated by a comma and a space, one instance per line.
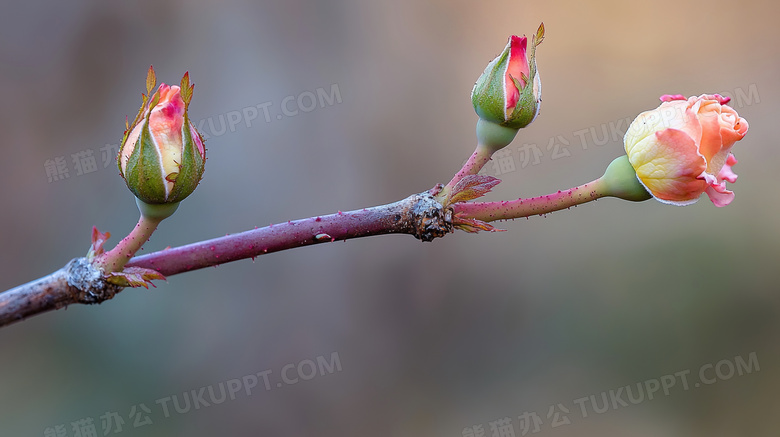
[509, 91]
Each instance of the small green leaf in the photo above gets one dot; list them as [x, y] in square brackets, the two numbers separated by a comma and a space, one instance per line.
[186, 88]
[98, 240]
[151, 80]
[539, 35]
[134, 277]
[525, 81]
[472, 187]
[472, 225]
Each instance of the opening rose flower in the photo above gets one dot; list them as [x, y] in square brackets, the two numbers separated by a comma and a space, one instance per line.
[683, 148]
[162, 155]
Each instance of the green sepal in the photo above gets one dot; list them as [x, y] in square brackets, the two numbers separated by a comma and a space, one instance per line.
[487, 96]
[190, 168]
[620, 181]
[526, 109]
[144, 173]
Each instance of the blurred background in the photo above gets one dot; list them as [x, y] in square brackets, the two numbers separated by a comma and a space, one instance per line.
[359, 103]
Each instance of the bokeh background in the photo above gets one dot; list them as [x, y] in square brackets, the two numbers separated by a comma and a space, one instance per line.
[432, 339]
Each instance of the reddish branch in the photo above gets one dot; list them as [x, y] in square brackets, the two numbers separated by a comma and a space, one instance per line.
[420, 215]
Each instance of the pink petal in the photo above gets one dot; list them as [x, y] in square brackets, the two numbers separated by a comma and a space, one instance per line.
[733, 127]
[709, 116]
[165, 120]
[708, 178]
[717, 191]
[171, 103]
[726, 173]
[721, 99]
[517, 67]
[719, 195]
[671, 97]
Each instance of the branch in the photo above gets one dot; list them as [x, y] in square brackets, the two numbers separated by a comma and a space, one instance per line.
[420, 215]
[513, 209]
[78, 282]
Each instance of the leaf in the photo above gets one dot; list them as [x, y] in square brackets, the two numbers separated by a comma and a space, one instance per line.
[151, 80]
[155, 99]
[473, 226]
[134, 277]
[472, 187]
[98, 240]
[525, 79]
[539, 35]
[186, 88]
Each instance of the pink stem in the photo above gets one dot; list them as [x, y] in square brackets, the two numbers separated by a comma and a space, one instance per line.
[505, 210]
[476, 161]
[116, 259]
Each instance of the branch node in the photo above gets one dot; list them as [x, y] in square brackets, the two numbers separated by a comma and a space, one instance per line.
[87, 284]
[431, 219]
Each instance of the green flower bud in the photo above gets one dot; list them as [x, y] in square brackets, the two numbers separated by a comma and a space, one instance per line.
[509, 92]
[162, 156]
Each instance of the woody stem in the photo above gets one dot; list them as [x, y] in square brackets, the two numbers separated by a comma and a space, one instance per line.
[82, 281]
[420, 215]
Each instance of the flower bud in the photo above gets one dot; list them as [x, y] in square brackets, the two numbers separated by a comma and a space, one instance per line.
[509, 91]
[162, 156]
[683, 148]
